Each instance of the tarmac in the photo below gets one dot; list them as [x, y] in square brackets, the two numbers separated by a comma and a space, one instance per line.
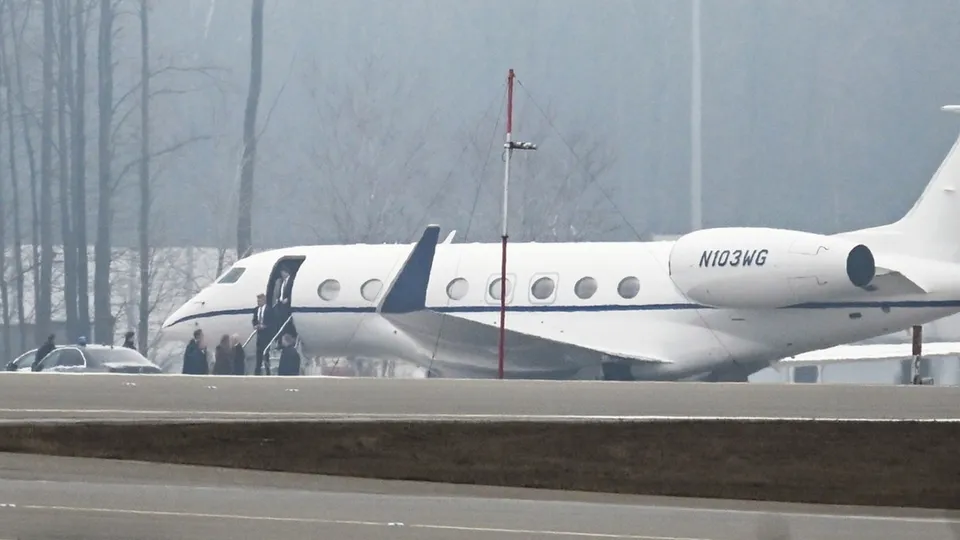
[73, 498]
[69, 397]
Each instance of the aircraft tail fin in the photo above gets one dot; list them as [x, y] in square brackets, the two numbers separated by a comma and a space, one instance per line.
[931, 228]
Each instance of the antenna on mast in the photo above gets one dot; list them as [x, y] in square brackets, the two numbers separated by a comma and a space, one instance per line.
[510, 145]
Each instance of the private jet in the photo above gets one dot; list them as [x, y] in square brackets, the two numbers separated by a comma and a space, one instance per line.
[713, 305]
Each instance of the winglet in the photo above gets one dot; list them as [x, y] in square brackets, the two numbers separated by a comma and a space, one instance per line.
[449, 238]
[408, 292]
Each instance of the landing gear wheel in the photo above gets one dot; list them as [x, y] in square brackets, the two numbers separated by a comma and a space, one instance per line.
[617, 372]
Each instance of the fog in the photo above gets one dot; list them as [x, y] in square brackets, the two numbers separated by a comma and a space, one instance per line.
[377, 117]
[820, 115]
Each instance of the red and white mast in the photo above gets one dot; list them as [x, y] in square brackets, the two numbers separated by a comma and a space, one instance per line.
[917, 354]
[509, 145]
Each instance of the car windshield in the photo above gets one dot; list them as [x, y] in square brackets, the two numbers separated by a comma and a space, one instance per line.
[26, 358]
[117, 355]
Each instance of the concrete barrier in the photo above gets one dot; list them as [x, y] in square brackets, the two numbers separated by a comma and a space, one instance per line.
[910, 464]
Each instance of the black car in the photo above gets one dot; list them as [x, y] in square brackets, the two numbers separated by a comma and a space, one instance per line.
[96, 359]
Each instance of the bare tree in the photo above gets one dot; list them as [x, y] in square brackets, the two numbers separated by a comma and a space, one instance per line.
[367, 155]
[16, 42]
[558, 191]
[63, 148]
[123, 276]
[219, 201]
[144, 164]
[168, 268]
[79, 163]
[46, 177]
[561, 193]
[8, 93]
[164, 287]
[57, 296]
[245, 213]
[101, 278]
[4, 289]
[144, 221]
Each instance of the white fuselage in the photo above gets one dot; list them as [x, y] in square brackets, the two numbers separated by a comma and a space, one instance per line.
[714, 302]
[658, 322]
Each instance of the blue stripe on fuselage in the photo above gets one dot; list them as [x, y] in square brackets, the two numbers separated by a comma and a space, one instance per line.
[909, 304]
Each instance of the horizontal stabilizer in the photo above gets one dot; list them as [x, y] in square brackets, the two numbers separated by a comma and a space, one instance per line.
[890, 282]
[408, 291]
[871, 353]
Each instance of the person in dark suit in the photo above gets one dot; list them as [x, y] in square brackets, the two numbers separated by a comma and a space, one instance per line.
[223, 357]
[195, 356]
[282, 304]
[45, 349]
[128, 340]
[239, 356]
[289, 358]
[265, 324]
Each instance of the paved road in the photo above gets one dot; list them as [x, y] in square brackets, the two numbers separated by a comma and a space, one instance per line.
[70, 498]
[157, 397]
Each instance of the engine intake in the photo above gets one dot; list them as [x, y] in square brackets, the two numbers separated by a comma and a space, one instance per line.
[861, 268]
[767, 268]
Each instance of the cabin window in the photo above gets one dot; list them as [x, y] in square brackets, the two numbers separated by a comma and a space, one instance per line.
[232, 275]
[494, 289]
[628, 287]
[329, 290]
[370, 289]
[585, 287]
[457, 288]
[542, 288]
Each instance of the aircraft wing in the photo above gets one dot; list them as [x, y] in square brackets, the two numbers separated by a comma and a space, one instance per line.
[458, 333]
[404, 304]
[870, 353]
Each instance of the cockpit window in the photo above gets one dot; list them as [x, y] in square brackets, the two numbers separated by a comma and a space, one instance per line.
[232, 275]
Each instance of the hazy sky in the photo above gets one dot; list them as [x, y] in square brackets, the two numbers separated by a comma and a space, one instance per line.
[820, 115]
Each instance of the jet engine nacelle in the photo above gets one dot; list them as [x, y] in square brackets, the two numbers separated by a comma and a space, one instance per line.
[762, 268]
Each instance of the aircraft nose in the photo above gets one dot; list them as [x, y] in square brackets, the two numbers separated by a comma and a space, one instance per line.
[171, 320]
[177, 324]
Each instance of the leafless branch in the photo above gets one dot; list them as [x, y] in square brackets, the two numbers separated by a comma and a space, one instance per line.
[276, 99]
[132, 91]
[366, 154]
[156, 154]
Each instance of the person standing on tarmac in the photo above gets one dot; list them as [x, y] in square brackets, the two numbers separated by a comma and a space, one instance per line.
[223, 357]
[128, 340]
[45, 349]
[239, 356]
[195, 356]
[289, 358]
